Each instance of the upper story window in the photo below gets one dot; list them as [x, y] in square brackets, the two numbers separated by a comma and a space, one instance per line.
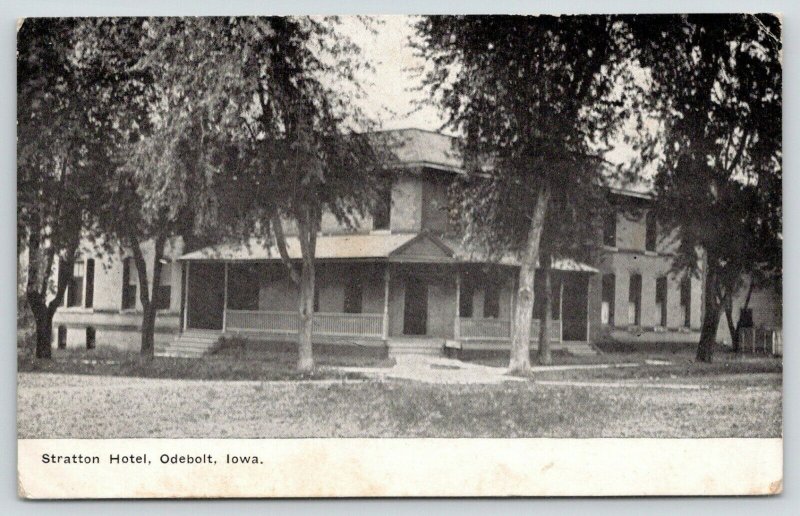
[128, 287]
[651, 231]
[382, 212]
[80, 285]
[610, 229]
[75, 285]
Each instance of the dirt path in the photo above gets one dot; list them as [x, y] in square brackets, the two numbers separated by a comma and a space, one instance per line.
[440, 370]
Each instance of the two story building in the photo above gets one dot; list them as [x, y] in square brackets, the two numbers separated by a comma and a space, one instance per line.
[399, 281]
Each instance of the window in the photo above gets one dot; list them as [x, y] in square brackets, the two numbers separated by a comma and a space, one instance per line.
[746, 317]
[651, 231]
[610, 229]
[607, 307]
[686, 300]
[75, 285]
[352, 298]
[62, 337]
[164, 291]
[316, 299]
[243, 287]
[382, 212]
[491, 302]
[90, 337]
[89, 301]
[128, 287]
[661, 300]
[465, 301]
[635, 300]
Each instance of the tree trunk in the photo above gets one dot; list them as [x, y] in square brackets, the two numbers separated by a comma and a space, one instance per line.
[36, 291]
[44, 328]
[146, 294]
[148, 349]
[711, 314]
[732, 329]
[520, 361]
[736, 339]
[308, 242]
[305, 358]
[544, 355]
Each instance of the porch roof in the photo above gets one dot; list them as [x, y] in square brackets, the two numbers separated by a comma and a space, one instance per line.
[401, 247]
[331, 247]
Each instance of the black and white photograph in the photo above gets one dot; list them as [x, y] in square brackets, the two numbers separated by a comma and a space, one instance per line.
[386, 227]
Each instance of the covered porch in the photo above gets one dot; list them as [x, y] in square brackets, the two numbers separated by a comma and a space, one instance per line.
[410, 289]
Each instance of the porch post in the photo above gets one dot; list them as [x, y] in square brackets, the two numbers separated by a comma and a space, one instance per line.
[385, 323]
[513, 306]
[457, 321]
[561, 310]
[225, 300]
[589, 305]
[186, 300]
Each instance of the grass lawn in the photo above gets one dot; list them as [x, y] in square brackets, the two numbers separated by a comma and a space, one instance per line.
[230, 364]
[734, 398]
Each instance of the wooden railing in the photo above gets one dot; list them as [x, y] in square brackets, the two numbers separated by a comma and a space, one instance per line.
[500, 329]
[761, 340]
[332, 324]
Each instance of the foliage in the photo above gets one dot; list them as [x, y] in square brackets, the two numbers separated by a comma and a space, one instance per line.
[716, 85]
[534, 97]
[260, 130]
[537, 99]
[67, 133]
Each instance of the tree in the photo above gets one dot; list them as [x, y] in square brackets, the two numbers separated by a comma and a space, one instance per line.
[63, 153]
[146, 189]
[276, 130]
[533, 97]
[716, 84]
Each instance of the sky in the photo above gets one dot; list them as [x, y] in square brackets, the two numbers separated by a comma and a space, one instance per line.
[390, 96]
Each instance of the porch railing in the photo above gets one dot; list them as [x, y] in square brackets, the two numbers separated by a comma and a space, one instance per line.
[500, 329]
[331, 324]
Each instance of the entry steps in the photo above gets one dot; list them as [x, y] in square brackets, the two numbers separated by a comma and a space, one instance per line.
[189, 344]
[415, 346]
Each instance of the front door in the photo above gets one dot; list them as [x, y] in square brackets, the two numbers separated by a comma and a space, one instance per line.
[574, 306]
[415, 318]
[206, 296]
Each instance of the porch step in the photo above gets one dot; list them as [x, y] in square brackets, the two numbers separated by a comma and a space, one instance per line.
[190, 344]
[429, 347]
[577, 348]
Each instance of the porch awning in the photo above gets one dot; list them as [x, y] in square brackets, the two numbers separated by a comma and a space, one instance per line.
[471, 254]
[398, 247]
[331, 247]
